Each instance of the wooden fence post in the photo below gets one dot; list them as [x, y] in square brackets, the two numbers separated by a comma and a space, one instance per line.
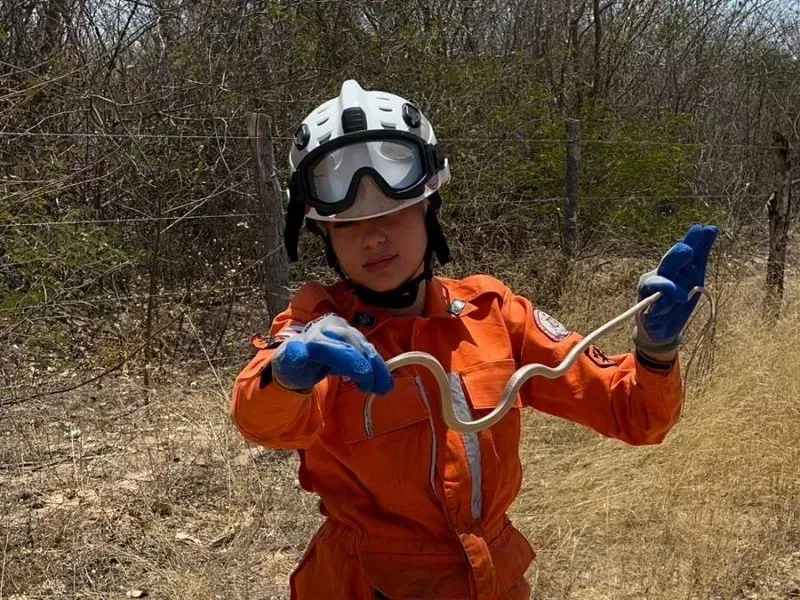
[275, 270]
[780, 204]
[570, 225]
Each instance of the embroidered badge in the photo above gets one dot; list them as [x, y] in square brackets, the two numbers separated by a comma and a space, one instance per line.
[259, 342]
[599, 357]
[456, 307]
[365, 320]
[550, 326]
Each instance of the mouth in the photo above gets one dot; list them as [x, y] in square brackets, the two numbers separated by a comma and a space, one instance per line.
[379, 262]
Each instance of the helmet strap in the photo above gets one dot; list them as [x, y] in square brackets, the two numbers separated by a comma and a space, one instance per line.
[402, 296]
[295, 215]
[437, 242]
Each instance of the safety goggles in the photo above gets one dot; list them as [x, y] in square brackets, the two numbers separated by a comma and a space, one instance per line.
[399, 162]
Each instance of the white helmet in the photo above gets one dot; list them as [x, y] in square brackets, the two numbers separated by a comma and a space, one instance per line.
[356, 134]
[364, 133]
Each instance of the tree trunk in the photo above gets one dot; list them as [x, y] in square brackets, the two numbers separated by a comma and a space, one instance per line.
[780, 204]
[275, 270]
[570, 224]
[56, 15]
[597, 57]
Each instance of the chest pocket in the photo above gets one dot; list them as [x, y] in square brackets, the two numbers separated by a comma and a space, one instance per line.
[396, 463]
[484, 385]
[402, 407]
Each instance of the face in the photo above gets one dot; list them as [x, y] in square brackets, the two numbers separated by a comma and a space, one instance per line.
[383, 252]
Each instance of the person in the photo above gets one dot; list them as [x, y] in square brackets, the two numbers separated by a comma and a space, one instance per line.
[414, 509]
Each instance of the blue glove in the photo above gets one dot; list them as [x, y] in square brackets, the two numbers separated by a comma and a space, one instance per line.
[330, 346]
[659, 327]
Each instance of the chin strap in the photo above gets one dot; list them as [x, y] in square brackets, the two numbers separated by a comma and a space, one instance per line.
[437, 242]
[402, 296]
[295, 215]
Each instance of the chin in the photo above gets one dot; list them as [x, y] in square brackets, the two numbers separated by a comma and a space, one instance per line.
[381, 282]
[381, 285]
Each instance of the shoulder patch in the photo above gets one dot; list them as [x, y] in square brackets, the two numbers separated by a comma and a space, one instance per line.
[288, 331]
[550, 326]
[599, 357]
[259, 342]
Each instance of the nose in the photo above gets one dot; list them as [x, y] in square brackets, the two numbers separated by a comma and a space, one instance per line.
[367, 188]
[373, 235]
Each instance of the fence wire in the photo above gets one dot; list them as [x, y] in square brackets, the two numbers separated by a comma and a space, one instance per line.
[510, 139]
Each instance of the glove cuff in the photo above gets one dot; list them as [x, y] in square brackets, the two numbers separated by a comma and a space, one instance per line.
[276, 374]
[276, 378]
[653, 364]
[649, 346]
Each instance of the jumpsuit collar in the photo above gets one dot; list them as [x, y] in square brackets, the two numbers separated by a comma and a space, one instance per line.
[439, 304]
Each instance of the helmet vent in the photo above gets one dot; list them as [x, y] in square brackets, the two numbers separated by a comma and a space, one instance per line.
[302, 136]
[411, 115]
[388, 125]
[323, 121]
[354, 119]
[324, 138]
[386, 108]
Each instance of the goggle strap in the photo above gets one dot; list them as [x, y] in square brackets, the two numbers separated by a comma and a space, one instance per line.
[295, 215]
[437, 242]
[437, 156]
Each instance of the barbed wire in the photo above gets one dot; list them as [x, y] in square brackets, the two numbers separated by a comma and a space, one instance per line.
[174, 360]
[625, 198]
[107, 298]
[124, 220]
[154, 361]
[182, 306]
[60, 185]
[503, 202]
[472, 140]
[123, 136]
[584, 142]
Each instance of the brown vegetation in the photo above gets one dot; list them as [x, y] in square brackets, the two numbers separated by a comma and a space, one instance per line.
[132, 273]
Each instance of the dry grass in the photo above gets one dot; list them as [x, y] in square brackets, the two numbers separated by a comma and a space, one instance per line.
[714, 512]
[103, 495]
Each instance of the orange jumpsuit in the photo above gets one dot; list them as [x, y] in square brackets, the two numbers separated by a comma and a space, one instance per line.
[411, 514]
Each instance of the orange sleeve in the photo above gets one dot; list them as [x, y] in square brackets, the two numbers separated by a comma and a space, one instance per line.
[617, 396]
[265, 412]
